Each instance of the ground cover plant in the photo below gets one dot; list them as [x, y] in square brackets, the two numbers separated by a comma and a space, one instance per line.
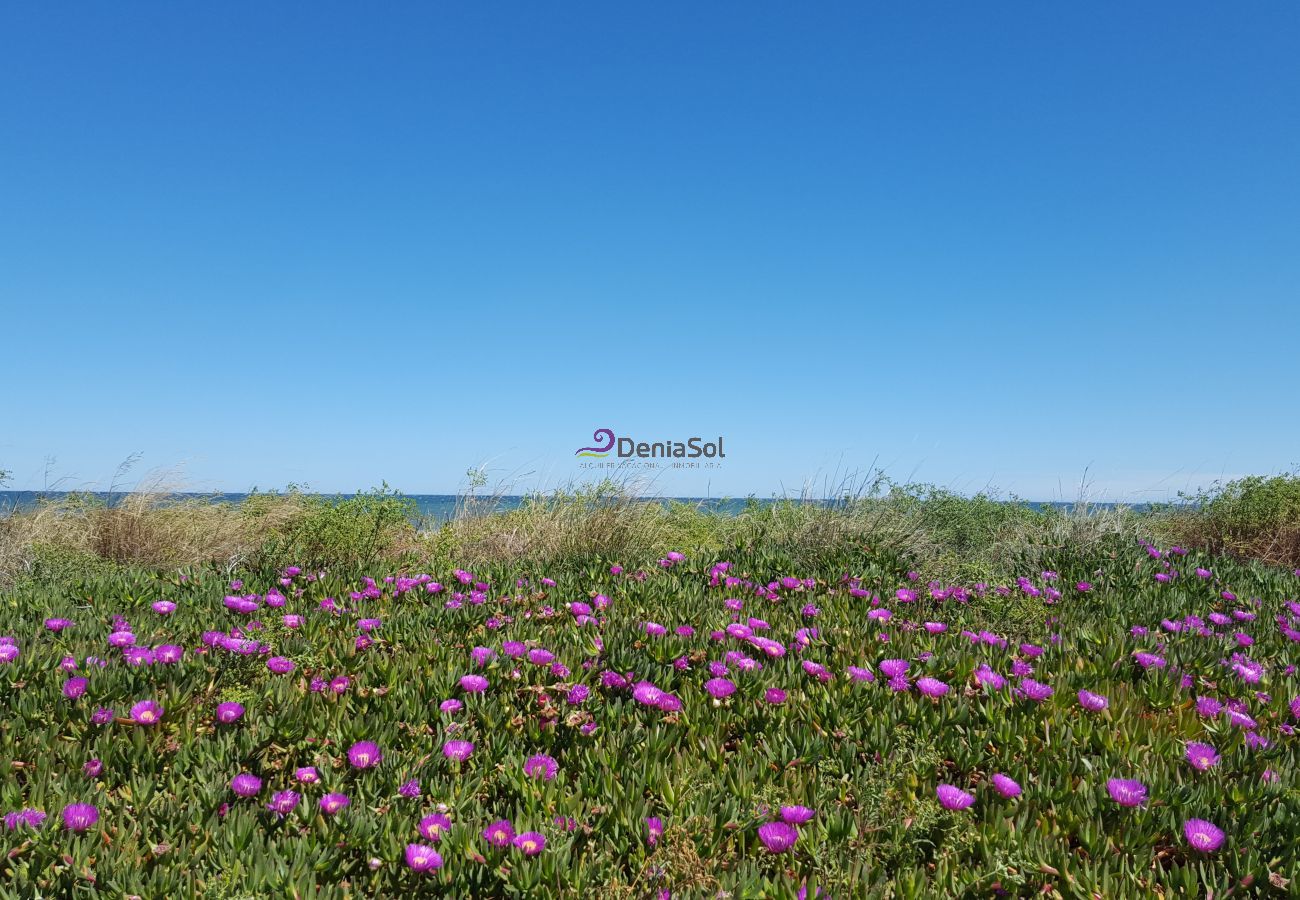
[779, 716]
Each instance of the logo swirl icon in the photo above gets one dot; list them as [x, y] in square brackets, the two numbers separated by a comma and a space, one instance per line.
[604, 439]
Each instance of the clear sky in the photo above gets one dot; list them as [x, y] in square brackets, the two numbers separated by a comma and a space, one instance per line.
[334, 243]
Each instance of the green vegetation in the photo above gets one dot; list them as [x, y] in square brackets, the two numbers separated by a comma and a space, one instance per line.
[835, 597]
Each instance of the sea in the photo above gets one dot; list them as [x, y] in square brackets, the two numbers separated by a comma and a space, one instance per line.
[434, 509]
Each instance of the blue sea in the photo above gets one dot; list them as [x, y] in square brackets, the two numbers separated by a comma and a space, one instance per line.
[434, 509]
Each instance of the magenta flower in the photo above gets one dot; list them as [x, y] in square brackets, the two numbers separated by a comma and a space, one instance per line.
[1126, 791]
[654, 830]
[1034, 690]
[57, 625]
[541, 766]
[306, 775]
[1093, 702]
[1201, 756]
[164, 607]
[1202, 835]
[283, 802]
[953, 798]
[718, 688]
[80, 817]
[774, 696]
[457, 750]
[1005, 786]
[931, 687]
[331, 804]
[796, 815]
[364, 755]
[146, 712]
[280, 665]
[778, 837]
[229, 712]
[28, 817]
[432, 827]
[500, 833]
[474, 684]
[75, 687]
[246, 784]
[531, 842]
[93, 767]
[420, 858]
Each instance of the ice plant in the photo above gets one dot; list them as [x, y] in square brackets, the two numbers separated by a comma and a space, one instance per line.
[541, 766]
[364, 755]
[420, 858]
[953, 798]
[1202, 835]
[246, 784]
[79, 817]
[796, 815]
[1126, 791]
[531, 842]
[1201, 756]
[457, 750]
[500, 833]
[331, 804]
[146, 712]
[1092, 702]
[777, 837]
[434, 826]
[229, 712]
[1005, 786]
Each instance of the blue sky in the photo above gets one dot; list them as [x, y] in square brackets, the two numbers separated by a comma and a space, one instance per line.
[332, 244]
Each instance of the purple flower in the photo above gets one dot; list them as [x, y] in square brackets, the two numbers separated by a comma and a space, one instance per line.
[27, 817]
[306, 775]
[1005, 786]
[1126, 791]
[1201, 756]
[74, 687]
[646, 693]
[80, 817]
[433, 826]
[1092, 702]
[892, 668]
[777, 837]
[1035, 690]
[457, 750]
[1149, 660]
[283, 802]
[246, 784]
[280, 665]
[1202, 835]
[654, 830]
[164, 607]
[146, 712]
[931, 687]
[92, 768]
[410, 789]
[364, 755]
[986, 676]
[718, 688]
[500, 833]
[451, 706]
[229, 712]
[796, 815]
[774, 696]
[953, 798]
[420, 858]
[1208, 707]
[101, 716]
[57, 625]
[578, 694]
[331, 804]
[541, 766]
[531, 842]
[474, 684]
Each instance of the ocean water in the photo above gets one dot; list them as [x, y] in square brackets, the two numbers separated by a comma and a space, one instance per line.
[433, 509]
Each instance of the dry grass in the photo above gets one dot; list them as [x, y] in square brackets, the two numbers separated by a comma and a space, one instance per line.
[152, 526]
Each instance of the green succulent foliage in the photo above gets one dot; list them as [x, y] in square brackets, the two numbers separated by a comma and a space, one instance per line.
[866, 758]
